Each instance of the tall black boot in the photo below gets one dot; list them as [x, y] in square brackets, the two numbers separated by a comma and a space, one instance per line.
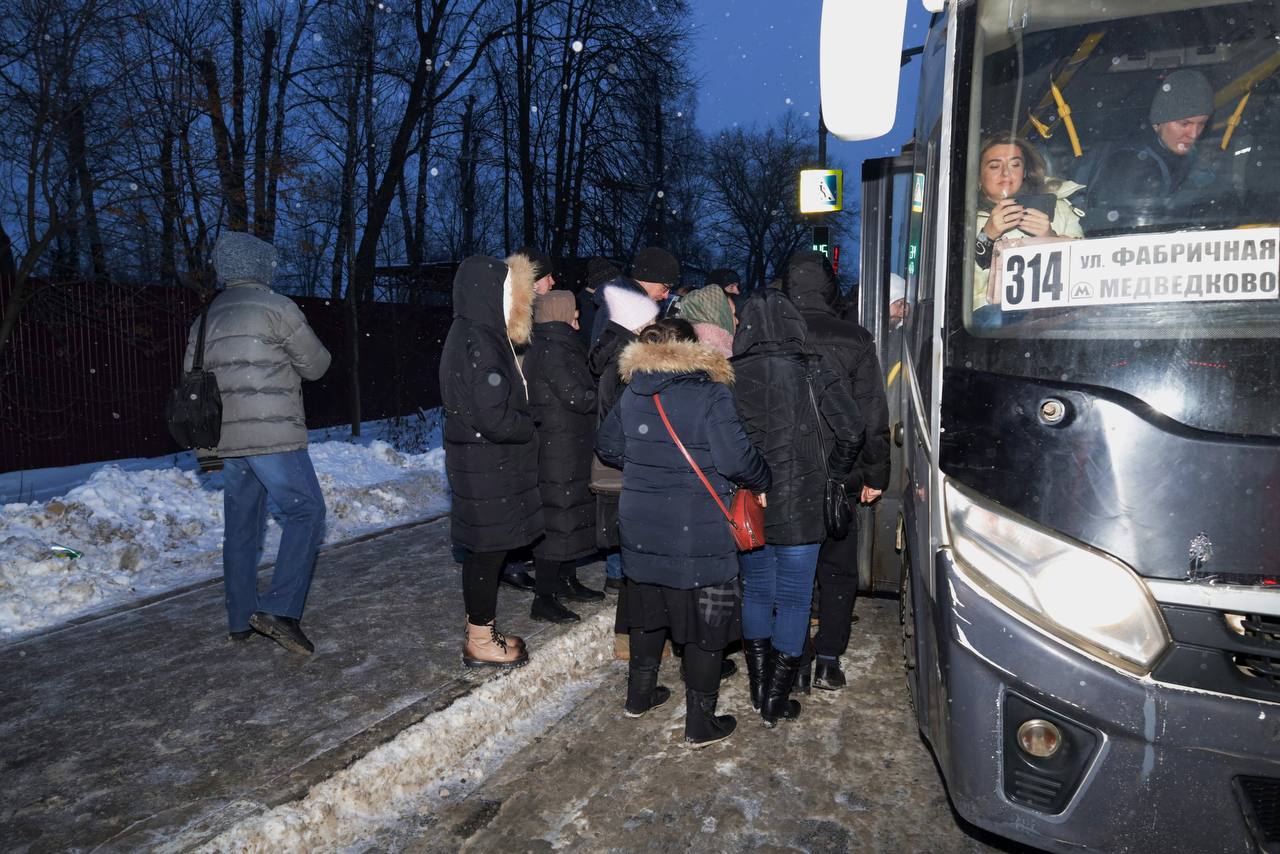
[780, 675]
[756, 652]
[804, 673]
[643, 691]
[702, 726]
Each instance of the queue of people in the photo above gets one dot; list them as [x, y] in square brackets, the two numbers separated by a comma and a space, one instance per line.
[629, 442]
[632, 441]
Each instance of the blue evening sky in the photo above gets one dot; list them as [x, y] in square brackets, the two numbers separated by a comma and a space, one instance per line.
[755, 59]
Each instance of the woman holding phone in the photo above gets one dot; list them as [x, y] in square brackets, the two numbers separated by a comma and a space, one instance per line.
[1017, 199]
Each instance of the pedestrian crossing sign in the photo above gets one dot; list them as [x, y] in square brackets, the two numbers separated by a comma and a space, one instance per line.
[821, 190]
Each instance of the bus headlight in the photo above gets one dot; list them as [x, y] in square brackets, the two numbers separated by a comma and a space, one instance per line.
[1084, 596]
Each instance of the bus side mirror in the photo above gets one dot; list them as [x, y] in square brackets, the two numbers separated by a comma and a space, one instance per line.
[860, 60]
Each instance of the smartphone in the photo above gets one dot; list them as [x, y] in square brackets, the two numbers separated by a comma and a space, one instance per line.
[1043, 202]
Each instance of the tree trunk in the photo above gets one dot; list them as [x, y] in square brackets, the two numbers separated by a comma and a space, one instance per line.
[524, 114]
[467, 180]
[79, 160]
[237, 88]
[168, 209]
[231, 180]
[420, 200]
[276, 164]
[263, 224]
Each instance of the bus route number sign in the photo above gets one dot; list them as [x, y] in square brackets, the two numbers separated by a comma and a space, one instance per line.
[1181, 267]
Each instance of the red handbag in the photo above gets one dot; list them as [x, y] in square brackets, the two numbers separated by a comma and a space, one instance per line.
[745, 515]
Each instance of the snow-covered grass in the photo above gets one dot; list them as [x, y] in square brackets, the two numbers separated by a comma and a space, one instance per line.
[152, 525]
[441, 758]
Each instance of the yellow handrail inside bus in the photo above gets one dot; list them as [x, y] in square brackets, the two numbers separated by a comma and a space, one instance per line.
[1064, 112]
[1234, 121]
[1077, 59]
[1243, 84]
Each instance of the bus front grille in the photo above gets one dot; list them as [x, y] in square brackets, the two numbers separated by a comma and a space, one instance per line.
[1260, 800]
[1229, 653]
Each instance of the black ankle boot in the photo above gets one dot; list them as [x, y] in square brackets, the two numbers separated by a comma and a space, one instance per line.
[643, 691]
[829, 676]
[702, 726]
[549, 610]
[756, 652]
[780, 675]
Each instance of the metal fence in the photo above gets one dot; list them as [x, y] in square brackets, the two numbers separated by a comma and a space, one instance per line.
[87, 371]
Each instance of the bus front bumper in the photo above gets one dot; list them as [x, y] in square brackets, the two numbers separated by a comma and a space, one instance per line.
[1143, 766]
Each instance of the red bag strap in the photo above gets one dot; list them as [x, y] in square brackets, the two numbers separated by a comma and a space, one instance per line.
[657, 401]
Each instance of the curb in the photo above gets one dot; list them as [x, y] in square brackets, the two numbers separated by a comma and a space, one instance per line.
[348, 793]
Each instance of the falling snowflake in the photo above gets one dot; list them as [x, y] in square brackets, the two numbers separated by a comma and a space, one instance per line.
[434, 171]
[577, 45]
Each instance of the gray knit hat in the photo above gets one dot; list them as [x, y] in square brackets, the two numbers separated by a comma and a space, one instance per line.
[238, 256]
[1181, 95]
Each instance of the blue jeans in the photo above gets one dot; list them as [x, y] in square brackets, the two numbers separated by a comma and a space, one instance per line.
[777, 593]
[613, 565]
[289, 480]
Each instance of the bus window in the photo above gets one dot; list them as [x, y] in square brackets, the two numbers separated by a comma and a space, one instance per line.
[1123, 199]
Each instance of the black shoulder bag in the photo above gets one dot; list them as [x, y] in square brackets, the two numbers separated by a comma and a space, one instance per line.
[837, 511]
[194, 410]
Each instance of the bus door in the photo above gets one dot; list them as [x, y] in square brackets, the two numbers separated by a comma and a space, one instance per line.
[886, 197]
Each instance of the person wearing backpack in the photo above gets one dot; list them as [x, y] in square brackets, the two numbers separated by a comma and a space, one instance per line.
[260, 347]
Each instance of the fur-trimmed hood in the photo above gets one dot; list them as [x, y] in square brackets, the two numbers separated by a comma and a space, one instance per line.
[648, 367]
[517, 298]
[498, 295]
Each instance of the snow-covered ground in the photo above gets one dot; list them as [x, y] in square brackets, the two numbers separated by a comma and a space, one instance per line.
[146, 526]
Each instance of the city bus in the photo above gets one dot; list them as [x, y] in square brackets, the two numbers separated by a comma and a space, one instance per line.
[1085, 516]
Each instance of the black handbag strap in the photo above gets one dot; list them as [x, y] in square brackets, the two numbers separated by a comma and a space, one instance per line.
[817, 418]
[197, 361]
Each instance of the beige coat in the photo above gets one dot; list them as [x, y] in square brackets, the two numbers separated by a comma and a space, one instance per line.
[1065, 223]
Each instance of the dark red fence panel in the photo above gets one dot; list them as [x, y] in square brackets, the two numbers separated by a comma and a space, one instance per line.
[87, 371]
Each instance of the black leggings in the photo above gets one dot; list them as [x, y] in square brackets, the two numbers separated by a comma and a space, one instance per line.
[480, 571]
[701, 668]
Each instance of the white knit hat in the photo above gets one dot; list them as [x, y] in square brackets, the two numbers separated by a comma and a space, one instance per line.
[629, 309]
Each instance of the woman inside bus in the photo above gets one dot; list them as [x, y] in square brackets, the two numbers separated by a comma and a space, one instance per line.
[1015, 198]
[678, 554]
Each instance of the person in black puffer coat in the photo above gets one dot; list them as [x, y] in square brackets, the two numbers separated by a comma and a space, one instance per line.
[563, 398]
[627, 311]
[490, 444]
[850, 352]
[776, 375]
[678, 553]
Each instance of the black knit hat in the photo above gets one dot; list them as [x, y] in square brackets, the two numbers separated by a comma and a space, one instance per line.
[541, 262]
[723, 277]
[653, 264]
[600, 270]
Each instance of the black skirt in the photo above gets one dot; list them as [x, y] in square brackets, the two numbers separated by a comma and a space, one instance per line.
[710, 617]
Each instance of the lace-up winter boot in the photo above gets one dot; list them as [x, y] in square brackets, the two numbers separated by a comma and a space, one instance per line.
[780, 675]
[485, 646]
[702, 726]
[643, 691]
[756, 652]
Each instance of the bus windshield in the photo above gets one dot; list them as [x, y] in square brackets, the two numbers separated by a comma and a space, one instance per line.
[1122, 203]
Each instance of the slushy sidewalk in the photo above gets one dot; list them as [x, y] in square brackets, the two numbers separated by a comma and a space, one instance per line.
[147, 728]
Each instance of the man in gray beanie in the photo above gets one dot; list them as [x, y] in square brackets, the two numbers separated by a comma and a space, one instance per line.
[1147, 179]
[260, 347]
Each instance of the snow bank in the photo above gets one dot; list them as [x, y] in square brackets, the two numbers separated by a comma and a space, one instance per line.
[143, 529]
[429, 761]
